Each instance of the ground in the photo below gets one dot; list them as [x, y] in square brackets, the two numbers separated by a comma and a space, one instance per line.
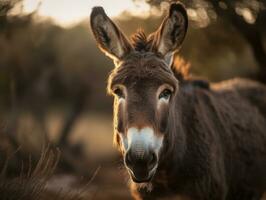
[108, 177]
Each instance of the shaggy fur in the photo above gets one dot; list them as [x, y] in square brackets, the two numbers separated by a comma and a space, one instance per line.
[224, 147]
[214, 134]
[215, 145]
[215, 142]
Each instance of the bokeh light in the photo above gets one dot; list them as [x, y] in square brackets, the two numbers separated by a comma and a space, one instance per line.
[67, 12]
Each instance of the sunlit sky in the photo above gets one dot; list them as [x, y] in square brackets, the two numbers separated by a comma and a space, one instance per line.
[67, 12]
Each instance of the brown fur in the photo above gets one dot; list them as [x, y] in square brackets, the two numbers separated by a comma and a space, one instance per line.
[225, 145]
[214, 134]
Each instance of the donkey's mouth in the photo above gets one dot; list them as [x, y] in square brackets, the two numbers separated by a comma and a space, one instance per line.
[141, 180]
[142, 176]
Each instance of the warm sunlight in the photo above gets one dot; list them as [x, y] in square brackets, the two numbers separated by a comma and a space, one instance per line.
[67, 12]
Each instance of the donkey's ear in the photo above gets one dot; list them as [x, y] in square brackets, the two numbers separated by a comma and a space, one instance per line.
[172, 31]
[109, 38]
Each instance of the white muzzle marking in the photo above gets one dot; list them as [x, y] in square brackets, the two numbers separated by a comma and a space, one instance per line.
[141, 140]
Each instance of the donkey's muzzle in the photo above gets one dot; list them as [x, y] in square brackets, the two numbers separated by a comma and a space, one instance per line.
[141, 167]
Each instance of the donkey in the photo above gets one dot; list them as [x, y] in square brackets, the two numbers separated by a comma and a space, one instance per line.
[180, 136]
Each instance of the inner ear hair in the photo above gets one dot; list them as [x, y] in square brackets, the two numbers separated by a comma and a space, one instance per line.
[178, 15]
[172, 31]
[109, 38]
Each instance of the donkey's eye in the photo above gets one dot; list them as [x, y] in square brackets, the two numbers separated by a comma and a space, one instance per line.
[165, 94]
[119, 93]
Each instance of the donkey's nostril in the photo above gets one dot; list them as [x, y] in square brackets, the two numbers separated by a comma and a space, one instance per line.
[147, 162]
[152, 160]
[128, 159]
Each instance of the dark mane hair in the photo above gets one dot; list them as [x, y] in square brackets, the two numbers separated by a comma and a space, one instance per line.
[143, 43]
[140, 41]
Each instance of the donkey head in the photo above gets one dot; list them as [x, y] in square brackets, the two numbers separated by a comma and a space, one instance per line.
[143, 86]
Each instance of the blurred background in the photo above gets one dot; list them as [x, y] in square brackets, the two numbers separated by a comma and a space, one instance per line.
[53, 79]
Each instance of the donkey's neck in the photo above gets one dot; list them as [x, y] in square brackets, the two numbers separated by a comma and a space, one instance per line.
[183, 135]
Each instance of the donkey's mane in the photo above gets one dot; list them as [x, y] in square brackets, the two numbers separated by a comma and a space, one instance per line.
[140, 41]
[143, 43]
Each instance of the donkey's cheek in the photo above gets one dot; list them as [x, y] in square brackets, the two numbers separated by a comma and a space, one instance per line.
[163, 118]
[119, 117]
[120, 126]
[124, 142]
[163, 125]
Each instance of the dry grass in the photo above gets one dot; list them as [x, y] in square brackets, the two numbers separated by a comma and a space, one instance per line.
[94, 131]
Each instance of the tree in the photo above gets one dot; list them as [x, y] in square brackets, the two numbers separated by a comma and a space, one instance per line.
[247, 16]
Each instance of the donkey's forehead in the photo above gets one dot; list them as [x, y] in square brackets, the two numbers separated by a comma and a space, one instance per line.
[143, 58]
[142, 66]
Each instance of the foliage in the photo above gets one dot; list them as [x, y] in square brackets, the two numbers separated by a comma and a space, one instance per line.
[247, 17]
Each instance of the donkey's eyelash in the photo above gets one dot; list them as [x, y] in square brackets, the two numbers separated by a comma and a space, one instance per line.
[119, 92]
[166, 94]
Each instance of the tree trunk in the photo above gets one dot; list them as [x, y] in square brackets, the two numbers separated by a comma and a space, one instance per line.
[249, 31]
[259, 53]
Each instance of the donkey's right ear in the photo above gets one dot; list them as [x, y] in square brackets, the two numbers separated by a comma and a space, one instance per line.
[109, 38]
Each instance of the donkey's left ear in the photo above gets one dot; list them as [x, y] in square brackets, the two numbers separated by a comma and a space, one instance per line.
[172, 31]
